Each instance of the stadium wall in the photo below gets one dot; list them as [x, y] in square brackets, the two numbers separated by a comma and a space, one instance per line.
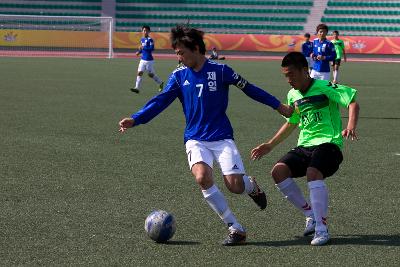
[267, 43]
[234, 42]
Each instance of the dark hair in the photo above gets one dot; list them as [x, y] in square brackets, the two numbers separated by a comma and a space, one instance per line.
[147, 27]
[322, 27]
[295, 59]
[307, 35]
[337, 32]
[188, 37]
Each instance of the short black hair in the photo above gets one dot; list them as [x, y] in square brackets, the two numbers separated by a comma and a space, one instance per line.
[189, 37]
[147, 27]
[307, 35]
[337, 32]
[295, 59]
[322, 27]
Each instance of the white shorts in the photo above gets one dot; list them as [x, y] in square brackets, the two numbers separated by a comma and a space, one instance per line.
[224, 152]
[145, 65]
[310, 62]
[320, 75]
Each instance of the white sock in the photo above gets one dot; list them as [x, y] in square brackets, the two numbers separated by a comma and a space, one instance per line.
[335, 75]
[157, 79]
[218, 203]
[248, 185]
[292, 192]
[138, 82]
[319, 202]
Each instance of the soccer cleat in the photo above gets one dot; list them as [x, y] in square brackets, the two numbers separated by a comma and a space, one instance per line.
[235, 238]
[310, 226]
[135, 90]
[161, 87]
[258, 195]
[320, 238]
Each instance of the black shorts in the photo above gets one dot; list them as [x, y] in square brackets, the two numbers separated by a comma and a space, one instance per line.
[325, 157]
[336, 62]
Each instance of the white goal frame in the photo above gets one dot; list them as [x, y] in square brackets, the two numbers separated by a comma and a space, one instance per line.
[101, 24]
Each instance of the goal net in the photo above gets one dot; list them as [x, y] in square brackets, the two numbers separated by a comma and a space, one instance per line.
[64, 36]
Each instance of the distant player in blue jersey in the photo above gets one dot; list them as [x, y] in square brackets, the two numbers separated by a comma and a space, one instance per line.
[147, 62]
[307, 49]
[323, 52]
[214, 54]
[202, 86]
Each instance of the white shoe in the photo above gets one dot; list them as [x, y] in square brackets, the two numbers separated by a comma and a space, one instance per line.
[320, 238]
[310, 226]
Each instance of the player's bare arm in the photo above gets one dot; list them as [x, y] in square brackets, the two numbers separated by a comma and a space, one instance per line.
[285, 110]
[126, 123]
[350, 131]
[264, 148]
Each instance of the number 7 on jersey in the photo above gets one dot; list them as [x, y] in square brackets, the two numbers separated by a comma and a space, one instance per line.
[200, 85]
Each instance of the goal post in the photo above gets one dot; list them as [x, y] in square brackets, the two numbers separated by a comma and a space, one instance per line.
[73, 36]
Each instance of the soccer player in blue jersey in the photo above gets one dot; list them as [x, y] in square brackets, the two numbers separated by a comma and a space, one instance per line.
[202, 87]
[323, 52]
[147, 61]
[307, 49]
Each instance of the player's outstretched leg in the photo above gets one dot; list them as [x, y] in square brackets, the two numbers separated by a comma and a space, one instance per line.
[217, 201]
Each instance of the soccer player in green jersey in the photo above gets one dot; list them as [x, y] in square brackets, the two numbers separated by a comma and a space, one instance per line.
[340, 53]
[318, 152]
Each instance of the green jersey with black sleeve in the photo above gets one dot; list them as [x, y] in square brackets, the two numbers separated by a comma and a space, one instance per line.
[317, 112]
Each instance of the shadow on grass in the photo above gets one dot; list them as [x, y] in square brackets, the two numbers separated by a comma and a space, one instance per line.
[182, 243]
[377, 240]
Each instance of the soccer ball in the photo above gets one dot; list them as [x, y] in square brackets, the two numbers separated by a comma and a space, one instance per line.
[160, 226]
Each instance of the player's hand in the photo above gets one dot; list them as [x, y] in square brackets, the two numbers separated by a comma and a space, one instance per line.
[350, 133]
[126, 123]
[320, 57]
[259, 151]
[285, 110]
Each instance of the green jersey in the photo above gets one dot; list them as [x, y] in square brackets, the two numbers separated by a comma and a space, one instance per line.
[339, 48]
[317, 112]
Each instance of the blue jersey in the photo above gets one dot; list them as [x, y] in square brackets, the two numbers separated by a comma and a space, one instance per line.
[307, 48]
[204, 98]
[326, 49]
[147, 48]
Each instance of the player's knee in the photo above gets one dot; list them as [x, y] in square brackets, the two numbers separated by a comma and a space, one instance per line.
[203, 175]
[234, 183]
[280, 172]
[203, 180]
[151, 75]
[140, 73]
[313, 174]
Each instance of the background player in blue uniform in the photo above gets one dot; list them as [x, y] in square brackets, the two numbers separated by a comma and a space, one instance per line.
[147, 61]
[323, 52]
[202, 86]
[214, 54]
[307, 49]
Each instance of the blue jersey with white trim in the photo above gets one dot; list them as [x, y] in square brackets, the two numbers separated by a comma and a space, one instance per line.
[147, 48]
[204, 98]
[326, 49]
[307, 48]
